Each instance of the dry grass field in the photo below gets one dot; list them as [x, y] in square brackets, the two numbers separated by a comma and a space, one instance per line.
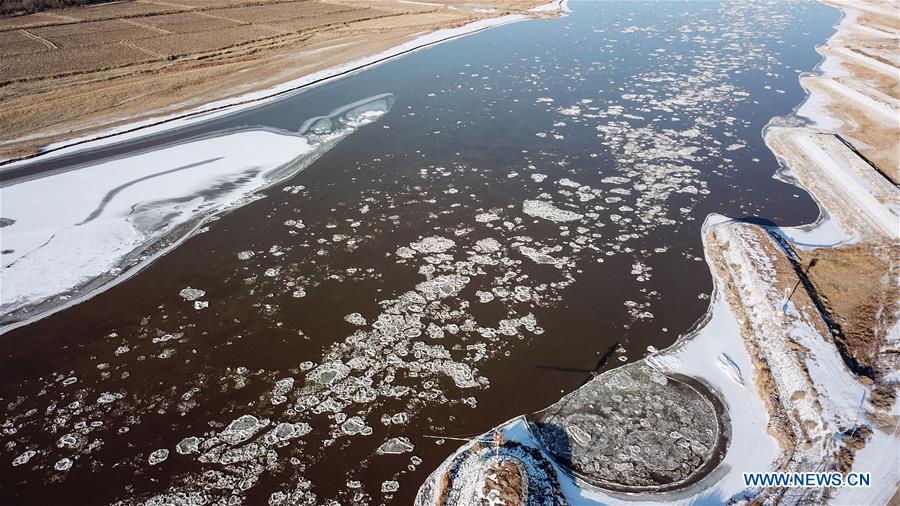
[72, 72]
[18, 7]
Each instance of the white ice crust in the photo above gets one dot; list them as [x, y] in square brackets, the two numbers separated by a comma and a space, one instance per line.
[77, 225]
[67, 232]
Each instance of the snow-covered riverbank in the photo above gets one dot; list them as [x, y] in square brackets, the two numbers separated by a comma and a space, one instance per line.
[77, 231]
[216, 108]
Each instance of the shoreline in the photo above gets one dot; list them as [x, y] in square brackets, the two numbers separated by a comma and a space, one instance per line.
[101, 268]
[221, 107]
[757, 361]
[160, 245]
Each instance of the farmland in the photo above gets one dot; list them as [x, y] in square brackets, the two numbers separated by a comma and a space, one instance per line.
[72, 72]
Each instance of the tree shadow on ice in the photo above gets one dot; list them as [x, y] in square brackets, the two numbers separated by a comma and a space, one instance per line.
[555, 441]
[591, 373]
[756, 220]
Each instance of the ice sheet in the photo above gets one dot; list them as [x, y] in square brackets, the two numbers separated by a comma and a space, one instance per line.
[71, 227]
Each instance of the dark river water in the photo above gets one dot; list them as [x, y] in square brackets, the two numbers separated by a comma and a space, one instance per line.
[533, 199]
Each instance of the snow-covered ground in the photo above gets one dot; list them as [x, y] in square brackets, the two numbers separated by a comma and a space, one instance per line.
[73, 227]
[864, 203]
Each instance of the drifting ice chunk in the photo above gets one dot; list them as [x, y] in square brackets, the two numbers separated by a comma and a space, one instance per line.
[25, 457]
[108, 397]
[191, 293]
[443, 286]
[484, 297]
[328, 373]
[536, 256]
[188, 445]
[285, 431]
[282, 387]
[461, 374]
[486, 217]
[570, 111]
[355, 319]
[545, 210]
[488, 245]
[67, 441]
[353, 426]
[433, 244]
[158, 456]
[242, 429]
[435, 332]
[396, 446]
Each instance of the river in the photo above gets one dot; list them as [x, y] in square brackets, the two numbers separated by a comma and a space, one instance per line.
[531, 200]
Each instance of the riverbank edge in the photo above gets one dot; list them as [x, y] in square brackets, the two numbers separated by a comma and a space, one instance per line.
[222, 107]
[149, 253]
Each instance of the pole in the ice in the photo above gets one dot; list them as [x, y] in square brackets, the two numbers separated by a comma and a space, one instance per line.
[498, 442]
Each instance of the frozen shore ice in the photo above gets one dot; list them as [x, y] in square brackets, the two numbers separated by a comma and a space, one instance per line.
[72, 232]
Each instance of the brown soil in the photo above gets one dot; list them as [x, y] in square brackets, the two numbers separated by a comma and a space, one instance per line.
[73, 72]
[509, 482]
[880, 50]
[444, 487]
[880, 21]
[895, 499]
[855, 439]
[875, 139]
[858, 284]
